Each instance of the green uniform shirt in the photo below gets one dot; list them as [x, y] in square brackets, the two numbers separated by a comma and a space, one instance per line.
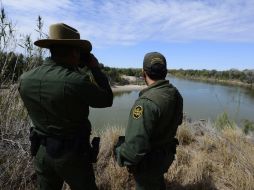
[153, 122]
[58, 97]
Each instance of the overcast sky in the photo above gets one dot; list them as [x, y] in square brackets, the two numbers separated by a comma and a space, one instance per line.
[192, 34]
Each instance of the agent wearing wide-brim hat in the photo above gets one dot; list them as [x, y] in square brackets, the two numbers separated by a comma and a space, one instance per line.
[62, 34]
[57, 97]
[150, 144]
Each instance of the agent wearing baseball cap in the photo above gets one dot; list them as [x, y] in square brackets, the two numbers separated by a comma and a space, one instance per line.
[57, 97]
[150, 144]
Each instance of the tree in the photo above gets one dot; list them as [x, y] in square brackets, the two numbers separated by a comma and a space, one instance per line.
[249, 77]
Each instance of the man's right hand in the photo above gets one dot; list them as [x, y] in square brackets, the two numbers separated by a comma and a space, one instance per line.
[120, 141]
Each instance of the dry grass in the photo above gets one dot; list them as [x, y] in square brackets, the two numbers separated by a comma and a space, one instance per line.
[214, 160]
[207, 157]
[108, 174]
[15, 162]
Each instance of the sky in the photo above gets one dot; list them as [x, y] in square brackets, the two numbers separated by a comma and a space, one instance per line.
[192, 34]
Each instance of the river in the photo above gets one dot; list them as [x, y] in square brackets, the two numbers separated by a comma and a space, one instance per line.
[201, 101]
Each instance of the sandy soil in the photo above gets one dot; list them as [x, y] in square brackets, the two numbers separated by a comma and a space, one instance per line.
[127, 88]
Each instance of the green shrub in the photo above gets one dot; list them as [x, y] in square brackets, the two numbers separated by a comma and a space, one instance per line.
[248, 127]
[223, 121]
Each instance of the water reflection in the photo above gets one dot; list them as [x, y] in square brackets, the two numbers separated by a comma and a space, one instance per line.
[249, 92]
[207, 100]
[119, 94]
[201, 101]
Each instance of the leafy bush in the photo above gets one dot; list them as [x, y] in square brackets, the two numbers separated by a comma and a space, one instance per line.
[248, 127]
[223, 121]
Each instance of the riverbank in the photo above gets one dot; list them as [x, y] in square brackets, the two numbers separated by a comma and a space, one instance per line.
[218, 81]
[133, 79]
[126, 88]
[115, 88]
[207, 158]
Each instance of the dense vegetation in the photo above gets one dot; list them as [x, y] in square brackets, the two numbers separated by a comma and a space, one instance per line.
[233, 75]
[115, 74]
[13, 64]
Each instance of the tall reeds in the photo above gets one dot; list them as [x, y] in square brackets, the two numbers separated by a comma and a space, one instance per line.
[16, 56]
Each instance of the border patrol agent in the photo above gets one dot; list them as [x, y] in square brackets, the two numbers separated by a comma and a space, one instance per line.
[150, 144]
[57, 97]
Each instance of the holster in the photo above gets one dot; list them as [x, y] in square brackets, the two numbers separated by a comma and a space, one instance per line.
[120, 141]
[172, 146]
[35, 142]
[57, 146]
[95, 149]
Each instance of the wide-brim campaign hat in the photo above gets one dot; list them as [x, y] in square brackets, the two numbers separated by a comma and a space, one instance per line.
[62, 34]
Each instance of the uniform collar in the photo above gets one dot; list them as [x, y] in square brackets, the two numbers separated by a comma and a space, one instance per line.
[157, 84]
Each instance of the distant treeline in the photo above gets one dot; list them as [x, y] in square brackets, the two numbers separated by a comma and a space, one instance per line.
[12, 65]
[233, 75]
[115, 74]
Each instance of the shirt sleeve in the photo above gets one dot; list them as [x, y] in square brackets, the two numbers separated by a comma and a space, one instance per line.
[142, 120]
[98, 96]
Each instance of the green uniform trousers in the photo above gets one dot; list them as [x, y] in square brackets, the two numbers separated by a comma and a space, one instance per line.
[72, 168]
[155, 182]
[150, 173]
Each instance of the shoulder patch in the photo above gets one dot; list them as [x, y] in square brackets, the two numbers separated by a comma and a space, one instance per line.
[137, 112]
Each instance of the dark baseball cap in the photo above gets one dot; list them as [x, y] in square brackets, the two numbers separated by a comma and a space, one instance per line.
[154, 58]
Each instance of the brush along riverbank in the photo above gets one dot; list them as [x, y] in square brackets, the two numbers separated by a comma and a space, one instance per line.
[207, 158]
